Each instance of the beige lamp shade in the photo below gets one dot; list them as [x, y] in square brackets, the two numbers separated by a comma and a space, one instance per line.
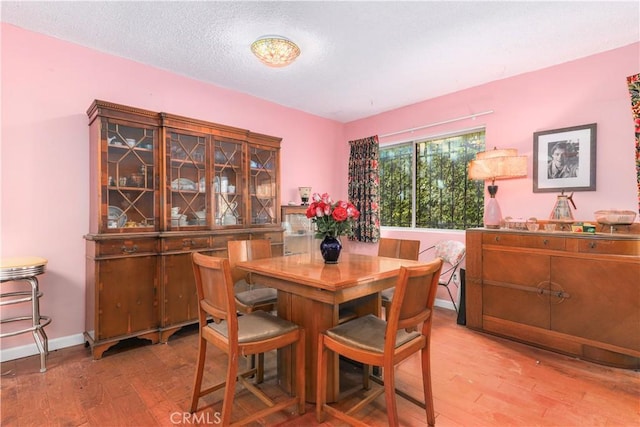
[498, 164]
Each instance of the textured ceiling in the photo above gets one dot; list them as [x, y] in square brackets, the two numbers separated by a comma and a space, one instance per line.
[358, 58]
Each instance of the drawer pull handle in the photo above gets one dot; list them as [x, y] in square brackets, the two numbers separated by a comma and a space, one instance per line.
[592, 245]
[497, 238]
[130, 250]
[545, 242]
[188, 242]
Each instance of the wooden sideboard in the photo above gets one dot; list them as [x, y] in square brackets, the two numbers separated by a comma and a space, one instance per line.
[577, 294]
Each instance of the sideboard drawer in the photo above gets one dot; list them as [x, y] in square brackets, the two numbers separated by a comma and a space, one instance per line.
[614, 247]
[537, 241]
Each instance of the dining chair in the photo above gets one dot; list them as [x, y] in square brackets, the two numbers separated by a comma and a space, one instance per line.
[452, 253]
[387, 247]
[250, 296]
[236, 336]
[396, 248]
[371, 340]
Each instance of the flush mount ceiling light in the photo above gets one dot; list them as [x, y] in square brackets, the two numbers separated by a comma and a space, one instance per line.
[275, 51]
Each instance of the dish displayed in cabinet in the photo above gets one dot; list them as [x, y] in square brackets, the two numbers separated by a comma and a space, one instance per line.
[117, 217]
[179, 220]
[183, 184]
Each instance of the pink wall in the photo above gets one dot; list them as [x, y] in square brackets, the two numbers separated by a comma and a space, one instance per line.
[48, 84]
[589, 90]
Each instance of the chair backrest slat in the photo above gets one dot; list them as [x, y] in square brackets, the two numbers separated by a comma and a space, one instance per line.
[414, 297]
[399, 248]
[246, 250]
[215, 290]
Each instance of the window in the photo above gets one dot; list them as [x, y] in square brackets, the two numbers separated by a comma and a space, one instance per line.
[424, 183]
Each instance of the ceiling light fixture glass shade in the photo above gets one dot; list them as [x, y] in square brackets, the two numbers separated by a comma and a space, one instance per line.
[275, 51]
[496, 164]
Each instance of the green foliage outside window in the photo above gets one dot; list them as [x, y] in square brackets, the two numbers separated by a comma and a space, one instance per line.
[444, 197]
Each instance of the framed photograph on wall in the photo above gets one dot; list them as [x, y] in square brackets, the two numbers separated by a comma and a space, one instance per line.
[565, 159]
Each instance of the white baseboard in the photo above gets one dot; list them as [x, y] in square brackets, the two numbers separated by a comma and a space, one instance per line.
[444, 304]
[71, 340]
[31, 349]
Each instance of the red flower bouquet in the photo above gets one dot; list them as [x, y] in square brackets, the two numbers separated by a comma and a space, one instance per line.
[331, 219]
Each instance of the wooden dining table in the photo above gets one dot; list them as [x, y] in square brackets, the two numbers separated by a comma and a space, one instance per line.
[310, 293]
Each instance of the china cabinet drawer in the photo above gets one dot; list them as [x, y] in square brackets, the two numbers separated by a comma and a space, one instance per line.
[275, 237]
[126, 247]
[184, 243]
[220, 242]
[518, 240]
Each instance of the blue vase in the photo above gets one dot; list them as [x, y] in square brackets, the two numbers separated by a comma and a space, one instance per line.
[330, 248]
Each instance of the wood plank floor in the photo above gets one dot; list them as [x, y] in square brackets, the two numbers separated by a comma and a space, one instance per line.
[478, 380]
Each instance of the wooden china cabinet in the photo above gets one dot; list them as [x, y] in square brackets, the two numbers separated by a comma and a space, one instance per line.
[162, 187]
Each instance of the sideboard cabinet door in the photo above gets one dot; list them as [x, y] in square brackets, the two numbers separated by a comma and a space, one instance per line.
[609, 309]
[511, 287]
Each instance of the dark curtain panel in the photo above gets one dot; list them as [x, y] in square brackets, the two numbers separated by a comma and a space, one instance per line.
[364, 188]
[634, 90]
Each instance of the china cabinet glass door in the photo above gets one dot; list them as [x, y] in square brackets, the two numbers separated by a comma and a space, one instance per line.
[263, 185]
[228, 202]
[131, 186]
[187, 179]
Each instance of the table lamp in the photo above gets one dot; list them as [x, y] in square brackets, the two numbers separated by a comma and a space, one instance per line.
[496, 164]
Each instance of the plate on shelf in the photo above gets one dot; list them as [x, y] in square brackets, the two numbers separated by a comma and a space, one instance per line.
[117, 214]
[183, 184]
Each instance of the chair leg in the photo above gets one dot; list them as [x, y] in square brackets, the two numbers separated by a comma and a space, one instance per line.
[230, 389]
[300, 372]
[197, 384]
[260, 368]
[388, 373]
[426, 384]
[451, 297]
[366, 373]
[321, 380]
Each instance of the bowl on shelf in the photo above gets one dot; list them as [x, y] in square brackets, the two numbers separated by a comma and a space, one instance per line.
[515, 223]
[533, 226]
[178, 220]
[615, 217]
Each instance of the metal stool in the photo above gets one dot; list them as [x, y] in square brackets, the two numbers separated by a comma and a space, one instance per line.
[26, 269]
